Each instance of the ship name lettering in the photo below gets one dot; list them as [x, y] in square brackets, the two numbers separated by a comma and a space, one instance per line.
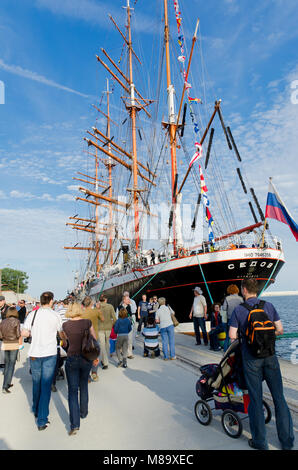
[252, 264]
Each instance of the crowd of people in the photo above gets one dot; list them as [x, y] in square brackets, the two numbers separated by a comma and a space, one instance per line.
[55, 332]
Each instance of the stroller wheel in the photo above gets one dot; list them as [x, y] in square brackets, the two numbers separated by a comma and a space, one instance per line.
[232, 424]
[203, 412]
[267, 412]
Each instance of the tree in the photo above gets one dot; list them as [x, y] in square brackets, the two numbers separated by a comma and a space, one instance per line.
[14, 280]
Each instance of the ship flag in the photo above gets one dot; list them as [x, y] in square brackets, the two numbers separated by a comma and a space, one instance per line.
[204, 188]
[194, 100]
[198, 154]
[182, 59]
[209, 216]
[276, 209]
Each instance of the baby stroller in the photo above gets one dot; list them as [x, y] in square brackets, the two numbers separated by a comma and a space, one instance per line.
[224, 385]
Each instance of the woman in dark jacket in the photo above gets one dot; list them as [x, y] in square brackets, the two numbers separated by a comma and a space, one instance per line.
[216, 327]
[77, 368]
[10, 332]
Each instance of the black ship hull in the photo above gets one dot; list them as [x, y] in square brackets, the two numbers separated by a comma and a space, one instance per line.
[176, 279]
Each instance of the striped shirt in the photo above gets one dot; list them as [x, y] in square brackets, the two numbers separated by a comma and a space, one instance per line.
[150, 334]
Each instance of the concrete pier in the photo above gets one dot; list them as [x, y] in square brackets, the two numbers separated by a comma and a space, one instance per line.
[149, 405]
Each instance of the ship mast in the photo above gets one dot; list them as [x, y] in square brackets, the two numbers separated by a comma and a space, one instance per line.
[134, 103]
[133, 112]
[172, 127]
[110, 165]
[96, 216]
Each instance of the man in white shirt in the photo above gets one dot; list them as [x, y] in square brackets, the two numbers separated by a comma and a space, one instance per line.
[42, 325]
[199, 314]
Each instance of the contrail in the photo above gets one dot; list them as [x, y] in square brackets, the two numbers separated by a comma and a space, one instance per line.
[17, 70]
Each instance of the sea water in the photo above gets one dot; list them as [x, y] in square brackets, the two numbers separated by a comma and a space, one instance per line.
[287, 308]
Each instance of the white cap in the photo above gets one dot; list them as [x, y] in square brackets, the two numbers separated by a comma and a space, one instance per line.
[198, 289]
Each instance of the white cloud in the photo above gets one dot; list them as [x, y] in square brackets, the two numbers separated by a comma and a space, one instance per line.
[44, 197]
[65, 197]
[21, 195]
[73, 187]
[47, 197]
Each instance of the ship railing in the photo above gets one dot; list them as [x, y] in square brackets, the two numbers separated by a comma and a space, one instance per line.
[238, 242]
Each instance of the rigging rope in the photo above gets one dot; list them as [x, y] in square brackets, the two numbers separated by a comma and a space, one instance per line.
[273, 271]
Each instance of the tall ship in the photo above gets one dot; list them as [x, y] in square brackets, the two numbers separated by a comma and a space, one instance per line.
[167, 205]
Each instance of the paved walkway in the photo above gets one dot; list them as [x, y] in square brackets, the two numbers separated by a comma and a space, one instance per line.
[147, 406]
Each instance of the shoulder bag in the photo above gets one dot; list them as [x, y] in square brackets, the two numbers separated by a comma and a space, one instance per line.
[174, 319]
[90, 347]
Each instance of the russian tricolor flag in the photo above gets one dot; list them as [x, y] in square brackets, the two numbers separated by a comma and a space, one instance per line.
[276, 209]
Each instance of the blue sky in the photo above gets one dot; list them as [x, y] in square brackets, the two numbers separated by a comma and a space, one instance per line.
[51, 79]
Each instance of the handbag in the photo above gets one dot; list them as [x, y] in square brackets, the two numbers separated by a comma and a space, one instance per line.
[90, 347]
[174, 319]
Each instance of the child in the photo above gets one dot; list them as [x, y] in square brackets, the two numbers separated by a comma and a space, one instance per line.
[150, 333]
[113, 338]
[122, 329]
[216, 327]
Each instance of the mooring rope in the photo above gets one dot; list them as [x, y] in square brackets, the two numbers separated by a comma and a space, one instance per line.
[204, 279]
[152, 277]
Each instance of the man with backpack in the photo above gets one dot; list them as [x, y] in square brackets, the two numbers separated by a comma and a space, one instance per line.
[256, 323]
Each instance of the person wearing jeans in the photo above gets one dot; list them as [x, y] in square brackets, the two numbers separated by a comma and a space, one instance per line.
[143, 309]
[10, 332]
[77, 368]
[167, 332]
[199, 315]
[10, 362]
[42, 326]
[257, 369]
